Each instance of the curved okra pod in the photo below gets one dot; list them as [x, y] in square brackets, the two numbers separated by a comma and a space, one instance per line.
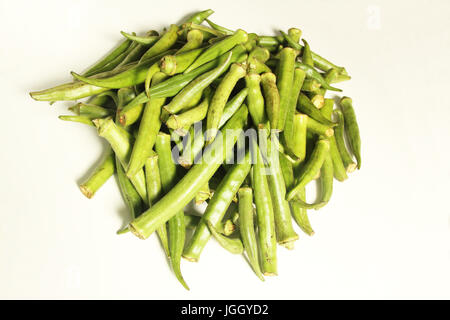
[194, 40]
[312, 74]
[133, 54]
[299, 214]
[154, 193]
[221, 29]
[187, 118]
[288, 133]
[233, 245]
[247, 229]
[264, 212]
[146, 41]
[330, 76]
[272, 98]
[206, 31]
[219, 48]
[119, 50]
[284, 231]
[197, 85]
[164, 43]
[99, 176]
[220, 98]
[347, 159]
[154, 69]
[129, 193]
[255, 99]
[351, 128]
[285, 81]
[233, 105]
[319, 62]
[217, 207]
[128, 78]
[199, 17]
[185, 190]
[103, 99]
[120, 142]
[306, 54]
[339, 170]
[307, 107]
[79, 119]
[177, 230]
[311, 168]
[148, 130]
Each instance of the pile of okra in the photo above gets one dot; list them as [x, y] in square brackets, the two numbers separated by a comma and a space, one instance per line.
[234, 120]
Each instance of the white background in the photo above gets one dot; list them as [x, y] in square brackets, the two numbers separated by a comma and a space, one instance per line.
[385, 234]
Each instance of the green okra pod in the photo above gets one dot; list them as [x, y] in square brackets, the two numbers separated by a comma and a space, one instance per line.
[232, 106]
[178, 63]
[318, 100]
[351, 128]
[272, 99]
[99, 176]
[346, 157]
[305, 106]
[129, 193]
[247, 229]
[220, 98]
[128, 78]
[306, 54]
[311, 168]
[164, 43]
[146, 41]
[203, 194]
[188, 186]
[191, 221]
[197, 85]
[284, 231]
[259, 53]
[295, 34]
[79, 119]
[91, 111]
[311, 85]
[264, 212]
[177, 230]
[148, 130]
[298, 144]
[154, 193]
[119, 50]
[288, 133]
[319, 62]
[255, 99]
[187, 118]
[339, 170]
[194, 40]
[219, 48]
[120, 142]
[217, 207]
[199, 17]
[316, 127]
[285, 82]
[223, 30]
[233, 245]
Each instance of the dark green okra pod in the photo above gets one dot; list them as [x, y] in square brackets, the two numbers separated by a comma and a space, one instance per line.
[154, 193]
[352, 128]
[177, 230]
[199, 17]
[307, 107]
[247, 229]
[164, 43]
[347, 159]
